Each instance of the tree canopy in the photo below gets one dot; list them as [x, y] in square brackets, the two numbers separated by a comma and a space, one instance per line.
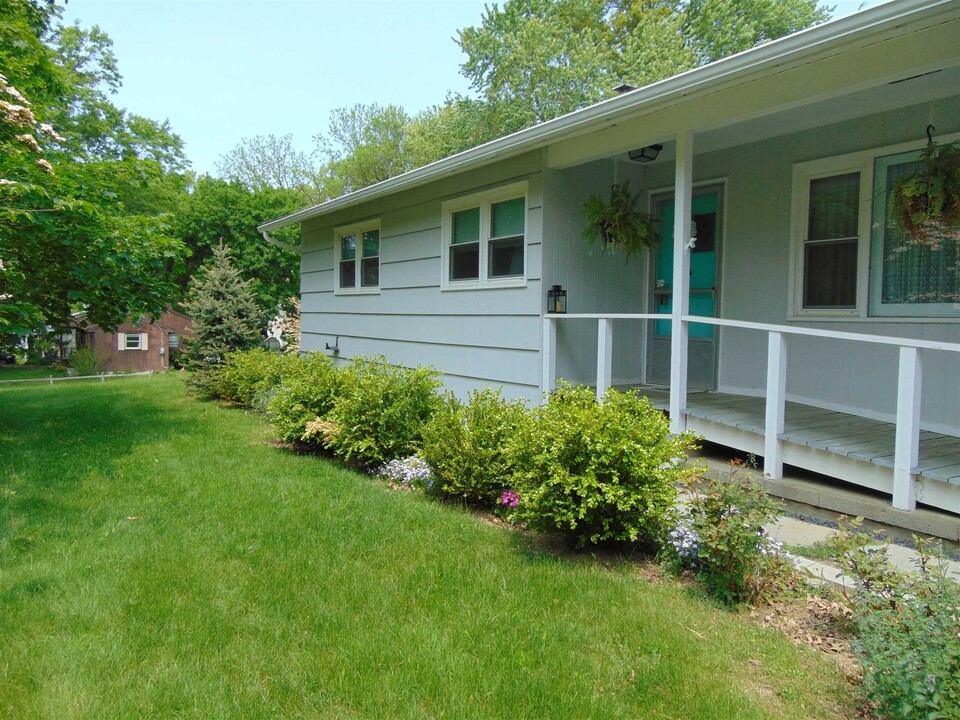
[83, 212]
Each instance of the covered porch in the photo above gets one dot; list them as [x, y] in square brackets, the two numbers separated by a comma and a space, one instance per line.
[781, 313]
[897, 458]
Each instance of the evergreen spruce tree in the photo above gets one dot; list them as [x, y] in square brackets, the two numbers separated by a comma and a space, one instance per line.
[225, 316]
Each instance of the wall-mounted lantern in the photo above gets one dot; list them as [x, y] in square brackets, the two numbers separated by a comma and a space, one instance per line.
[556, 299]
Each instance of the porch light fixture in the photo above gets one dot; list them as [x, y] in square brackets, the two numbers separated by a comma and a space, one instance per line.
[557, 299]
[645, 154]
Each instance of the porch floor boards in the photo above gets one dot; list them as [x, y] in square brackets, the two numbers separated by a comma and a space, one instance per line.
[836, 432]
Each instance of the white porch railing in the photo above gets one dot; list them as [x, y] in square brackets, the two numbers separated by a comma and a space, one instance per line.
[909, 385]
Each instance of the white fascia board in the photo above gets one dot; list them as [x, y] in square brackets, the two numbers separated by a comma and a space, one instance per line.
[820, 40]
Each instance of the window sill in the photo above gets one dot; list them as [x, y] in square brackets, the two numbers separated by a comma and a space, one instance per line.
[886, 319]
[454, 286]
[358, 291]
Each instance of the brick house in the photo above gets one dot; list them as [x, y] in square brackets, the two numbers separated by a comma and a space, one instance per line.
[141, 346]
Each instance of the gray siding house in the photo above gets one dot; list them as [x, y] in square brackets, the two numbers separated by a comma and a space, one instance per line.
[782, 314]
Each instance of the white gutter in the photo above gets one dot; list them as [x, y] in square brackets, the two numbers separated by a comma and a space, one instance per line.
[793, 48]
[278, 243]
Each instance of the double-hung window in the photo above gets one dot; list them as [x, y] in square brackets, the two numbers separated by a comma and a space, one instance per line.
[831, 242]
[357, 258]
[852, 256]
[484, 238]
[131, 341]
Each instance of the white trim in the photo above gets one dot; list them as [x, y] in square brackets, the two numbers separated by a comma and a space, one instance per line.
[125, 336]
[357, 230]
[483, 200]
[773, 57]
[861, 162]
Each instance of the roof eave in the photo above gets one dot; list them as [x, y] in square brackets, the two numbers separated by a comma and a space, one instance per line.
[768, 56]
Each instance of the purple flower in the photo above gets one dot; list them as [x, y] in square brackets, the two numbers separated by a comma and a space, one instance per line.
[510, 498]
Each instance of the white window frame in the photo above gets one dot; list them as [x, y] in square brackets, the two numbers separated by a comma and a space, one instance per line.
[141, 341]
[484, 200]
[356, 229]
[863, 163]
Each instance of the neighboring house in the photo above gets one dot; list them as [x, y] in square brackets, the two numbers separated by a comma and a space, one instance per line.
[793, 299]
[140, 346]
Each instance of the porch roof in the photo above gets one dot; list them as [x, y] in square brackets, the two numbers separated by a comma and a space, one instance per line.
[751, 93]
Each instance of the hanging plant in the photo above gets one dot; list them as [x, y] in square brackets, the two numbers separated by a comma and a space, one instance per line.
[927, 204]
[618, 224]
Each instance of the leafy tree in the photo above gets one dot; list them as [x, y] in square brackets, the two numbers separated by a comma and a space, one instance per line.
[270, 161]
[218, 212]
[538, 59]
[717, 28]
[224, 311]
[80, 226]
[366, 145]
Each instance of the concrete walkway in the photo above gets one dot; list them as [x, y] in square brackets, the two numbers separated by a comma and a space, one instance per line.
[807, 525]
[796, 531]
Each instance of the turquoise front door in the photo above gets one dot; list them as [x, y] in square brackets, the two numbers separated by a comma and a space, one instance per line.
[704, 289]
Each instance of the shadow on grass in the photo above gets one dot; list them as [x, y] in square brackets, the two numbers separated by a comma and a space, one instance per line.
[52, 437]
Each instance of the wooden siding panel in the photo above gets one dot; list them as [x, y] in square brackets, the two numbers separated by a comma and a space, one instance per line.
[493, 365]
[502, 331]
[426, 301]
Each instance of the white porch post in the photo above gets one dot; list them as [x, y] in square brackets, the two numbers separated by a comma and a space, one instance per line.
[604, 356]
[549, 355]
[776, 405]
[907, 449]
[683, 195]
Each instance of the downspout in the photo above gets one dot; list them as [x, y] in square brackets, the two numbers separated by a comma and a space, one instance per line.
[280, 244]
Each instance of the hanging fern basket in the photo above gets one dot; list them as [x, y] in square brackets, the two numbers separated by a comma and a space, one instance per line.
[617, 224]
[927, 204]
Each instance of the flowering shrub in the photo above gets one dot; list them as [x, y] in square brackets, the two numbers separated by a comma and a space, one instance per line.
[466, 444]
[907, 629]
[723, 538]
[412, 472]
[509, 498]
[380, 411]
[600, 471]
[684, 542]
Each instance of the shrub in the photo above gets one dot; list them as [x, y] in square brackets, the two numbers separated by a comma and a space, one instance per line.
[306, 393]
[722, 537]
[246, 376]
[599, 471]
[907, 629]
[380, 411]
[89, 361]
[465, 444]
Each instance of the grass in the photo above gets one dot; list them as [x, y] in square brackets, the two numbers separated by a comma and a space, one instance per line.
[30, 372]
[158, 558]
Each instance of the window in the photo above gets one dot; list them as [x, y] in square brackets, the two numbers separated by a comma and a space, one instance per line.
[357, 252]
[484, 238]
[173, 341]
[851, 259]
[908, 278]
[831, 242]
[132, 341]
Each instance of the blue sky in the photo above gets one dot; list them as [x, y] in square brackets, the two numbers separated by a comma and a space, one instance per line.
[222, 70]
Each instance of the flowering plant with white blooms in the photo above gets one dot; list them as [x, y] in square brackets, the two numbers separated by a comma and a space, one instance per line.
[412, 472]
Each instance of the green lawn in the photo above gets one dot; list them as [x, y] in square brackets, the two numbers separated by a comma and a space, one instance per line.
[159, 559]
[30, 372]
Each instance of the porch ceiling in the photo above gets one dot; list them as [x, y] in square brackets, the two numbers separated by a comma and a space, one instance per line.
[897, 71]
